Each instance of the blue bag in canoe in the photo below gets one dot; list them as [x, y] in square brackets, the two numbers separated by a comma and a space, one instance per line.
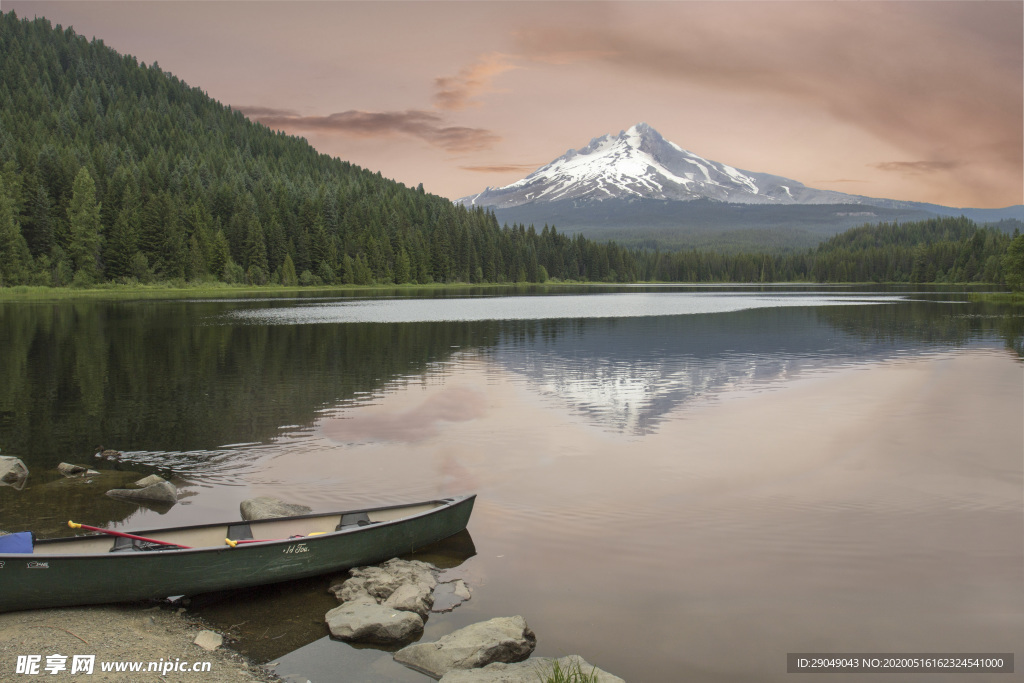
[20, 542]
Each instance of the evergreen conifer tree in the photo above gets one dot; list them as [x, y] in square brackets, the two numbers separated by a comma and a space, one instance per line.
[85, 228]
[15, 258]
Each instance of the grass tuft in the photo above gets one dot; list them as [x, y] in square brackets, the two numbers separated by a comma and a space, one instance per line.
[573, 673]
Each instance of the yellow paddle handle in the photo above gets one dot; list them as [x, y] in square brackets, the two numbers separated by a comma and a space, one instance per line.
[73, 525]
[230, 542]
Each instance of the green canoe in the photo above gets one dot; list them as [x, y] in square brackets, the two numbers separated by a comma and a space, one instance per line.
[97, 568]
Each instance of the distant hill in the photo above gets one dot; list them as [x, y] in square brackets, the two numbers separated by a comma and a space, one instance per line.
[642, 190]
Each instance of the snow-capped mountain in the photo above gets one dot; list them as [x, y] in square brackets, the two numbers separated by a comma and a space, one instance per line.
[639, 188]
[640, 164]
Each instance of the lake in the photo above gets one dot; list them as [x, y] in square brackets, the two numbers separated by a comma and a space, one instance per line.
[677, 483]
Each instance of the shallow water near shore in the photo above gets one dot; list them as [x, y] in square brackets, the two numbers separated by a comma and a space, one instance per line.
[676, 484]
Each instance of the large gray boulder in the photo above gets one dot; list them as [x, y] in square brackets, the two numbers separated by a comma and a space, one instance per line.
[529, 671]
[13, 471]
[266, 507]
[164, 492]
[370, 622]
[503, 639]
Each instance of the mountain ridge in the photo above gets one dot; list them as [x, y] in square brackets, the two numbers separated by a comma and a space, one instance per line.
[617, 185]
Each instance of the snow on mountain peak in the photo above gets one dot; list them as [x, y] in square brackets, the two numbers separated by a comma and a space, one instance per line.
[639, 163]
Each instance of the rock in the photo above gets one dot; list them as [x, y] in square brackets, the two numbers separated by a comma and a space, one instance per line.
[450, 594]
[150, 480]
[461, 590]
[383, 604]
[412, 597]
[69, 470]
[266, 507]
[381, 581]
[352, 590]
[384, 580]
[160, 493]
[208, 640]
[368, 621]
[13, 471]
[503, 639]
[529, 671]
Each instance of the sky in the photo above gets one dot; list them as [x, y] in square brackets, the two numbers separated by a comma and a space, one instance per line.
[914, 100]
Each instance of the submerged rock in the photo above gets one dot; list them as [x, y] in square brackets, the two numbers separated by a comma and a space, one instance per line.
[69, 470]
[266, 507]
[164, 492]
[450, 594]
[13, 471]
[503, 639]
[368, 621]
[529, 671]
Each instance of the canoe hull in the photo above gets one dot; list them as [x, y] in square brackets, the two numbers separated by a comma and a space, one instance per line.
[56, 580]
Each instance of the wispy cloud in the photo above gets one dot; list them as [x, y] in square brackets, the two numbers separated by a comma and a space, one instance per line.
[257, 112]
[427, 126]
[461, 91]
[454, 93]
[502, 168]
[917, 167]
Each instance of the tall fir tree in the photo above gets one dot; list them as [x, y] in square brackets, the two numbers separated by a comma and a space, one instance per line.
[15, 259]
[85, 227]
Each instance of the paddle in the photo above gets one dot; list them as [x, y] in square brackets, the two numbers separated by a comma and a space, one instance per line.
[250, 540]
[267, 540]
[73, 525]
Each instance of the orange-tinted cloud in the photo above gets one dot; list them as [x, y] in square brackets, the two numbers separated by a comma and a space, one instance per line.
[951, 96]
[424, 125]
[461, 90]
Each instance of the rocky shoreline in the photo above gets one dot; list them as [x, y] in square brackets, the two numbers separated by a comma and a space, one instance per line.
[386, 604]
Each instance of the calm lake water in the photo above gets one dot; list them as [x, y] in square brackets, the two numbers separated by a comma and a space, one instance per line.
[677, 483]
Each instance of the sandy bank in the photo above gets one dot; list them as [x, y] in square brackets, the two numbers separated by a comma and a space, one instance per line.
[116, 634]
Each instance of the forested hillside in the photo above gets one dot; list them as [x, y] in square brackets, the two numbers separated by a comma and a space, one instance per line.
[950, 250]
[115, 170]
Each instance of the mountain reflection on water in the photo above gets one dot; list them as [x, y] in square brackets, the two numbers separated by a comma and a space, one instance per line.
[628, 373]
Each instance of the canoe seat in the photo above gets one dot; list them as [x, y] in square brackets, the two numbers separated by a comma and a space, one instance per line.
[239, 532]
[354, 519]
[122, 545]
